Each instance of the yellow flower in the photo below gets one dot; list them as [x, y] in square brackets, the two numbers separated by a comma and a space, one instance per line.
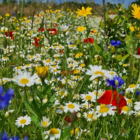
[0, 17]
[136, 11]
[84, 12]
[42, 71]
[7, 15]
[81, 28]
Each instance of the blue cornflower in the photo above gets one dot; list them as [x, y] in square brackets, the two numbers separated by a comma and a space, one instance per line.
[115, 43]
[5, 137]
[118, 43]
[4, 99]
[138, 93]
[115, 82]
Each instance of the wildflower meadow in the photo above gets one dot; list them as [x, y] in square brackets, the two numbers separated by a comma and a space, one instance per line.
[70, 75]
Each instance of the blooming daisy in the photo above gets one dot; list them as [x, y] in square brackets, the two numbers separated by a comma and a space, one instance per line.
[45, 122]
[22, 121]
[25, 79]
[89, 115]
[97, 71]
[71, 107]
[103, 110]
[88, 97]
[53, 133]
[137, 106]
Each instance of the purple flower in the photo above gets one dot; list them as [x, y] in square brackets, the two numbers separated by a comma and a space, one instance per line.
[4, 99]
[115, 82]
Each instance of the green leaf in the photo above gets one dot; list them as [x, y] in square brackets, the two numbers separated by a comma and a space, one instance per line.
[65, 133]
[98, 49]
[52, 98]
[124, 57]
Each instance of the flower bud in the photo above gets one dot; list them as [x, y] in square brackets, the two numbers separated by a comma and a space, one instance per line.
[117, 83]
[94, 117]
[42, 71]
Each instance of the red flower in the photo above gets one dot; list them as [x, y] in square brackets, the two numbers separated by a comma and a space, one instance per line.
[89, 40]
[38, 15]
[138, 52]
[54, 24]
[64, 72]
[61, 51]
[36, 42]
[10, 33]
[72, 118]
[67, 118]
[43, 29]
[52, 31]
[106, 99]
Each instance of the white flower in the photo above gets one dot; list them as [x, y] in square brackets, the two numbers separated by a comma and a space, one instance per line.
[71, 107]
[45, 122]
[21, 121]
[104, 110]
[25, 79]
[137, 106]
[88, 97]
[89, 115]
[53, 133]
[97, 71]
[137, 56]
[64, 28]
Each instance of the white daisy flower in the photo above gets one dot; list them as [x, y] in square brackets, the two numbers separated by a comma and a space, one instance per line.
[45, 122]
[25, 79]
[71, 107]
[88, 97]
[22, 121]
[97, 71]
[89, 115]
[103, 110]
[137, 106]
[53, 133]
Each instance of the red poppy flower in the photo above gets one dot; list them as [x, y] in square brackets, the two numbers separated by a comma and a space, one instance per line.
[106, 99]
[38, 15]
[52, 31]
[54, 24]
[61, 51]
[89, 40]
[10, 34]
[138, 52]
[36, 42]
[41, 30]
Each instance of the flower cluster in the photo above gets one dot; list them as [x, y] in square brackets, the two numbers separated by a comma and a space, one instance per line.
[115, 43]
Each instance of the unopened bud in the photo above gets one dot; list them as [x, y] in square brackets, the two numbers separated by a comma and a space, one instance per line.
[94, 117]
[138, 114]
[116, 82]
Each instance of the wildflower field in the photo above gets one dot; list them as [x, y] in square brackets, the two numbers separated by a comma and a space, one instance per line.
[63, 76]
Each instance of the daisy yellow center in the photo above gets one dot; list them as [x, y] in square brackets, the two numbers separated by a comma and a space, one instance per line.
[125, 108]
[132, 86]
[44, 123]
[85, 106]
[47, 61]
[5, 80]
[89, 115]
[71, 106]
[24, 81]
[54, 131]
[27, 64]
[23, 121]
[103, 108]
[99, 73]
[88, 97]
[111, 73]
[4, 57]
